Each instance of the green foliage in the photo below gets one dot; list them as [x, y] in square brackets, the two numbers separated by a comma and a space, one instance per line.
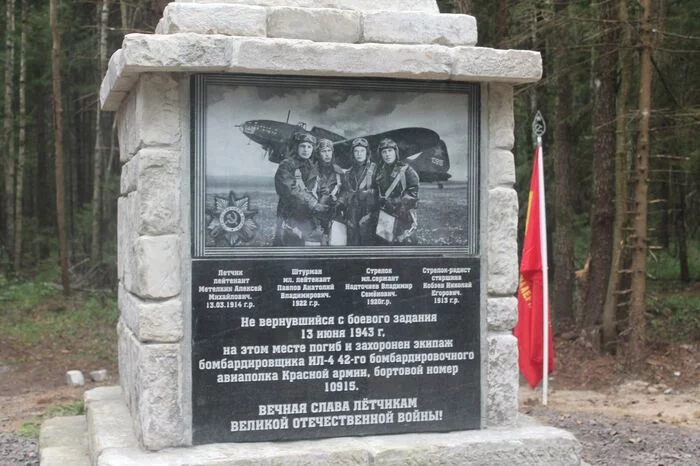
[31, 428]
[35, 312]
[674, 311]
[664, 265]
[76, 408]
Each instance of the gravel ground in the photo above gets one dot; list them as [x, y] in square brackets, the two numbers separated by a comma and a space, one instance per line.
[622, 441]
[18, 451]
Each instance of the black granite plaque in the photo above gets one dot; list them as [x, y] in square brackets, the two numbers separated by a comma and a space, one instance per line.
[297, 349]
[334, 296]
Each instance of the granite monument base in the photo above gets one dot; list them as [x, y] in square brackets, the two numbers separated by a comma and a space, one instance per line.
[105, 437]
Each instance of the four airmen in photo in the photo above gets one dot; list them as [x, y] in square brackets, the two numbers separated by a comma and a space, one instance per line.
[320, 204]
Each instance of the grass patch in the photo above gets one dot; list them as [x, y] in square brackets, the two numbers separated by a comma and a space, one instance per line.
[36, 314]
[32, 428]
[674, 310]
[76, 408]
[665, 265]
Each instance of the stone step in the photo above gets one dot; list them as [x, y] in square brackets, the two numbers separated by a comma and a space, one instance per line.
[63, 441]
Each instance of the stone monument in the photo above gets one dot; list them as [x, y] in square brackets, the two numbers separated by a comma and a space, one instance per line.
[265, 320]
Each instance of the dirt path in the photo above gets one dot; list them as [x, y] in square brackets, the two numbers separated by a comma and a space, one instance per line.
[632, 424]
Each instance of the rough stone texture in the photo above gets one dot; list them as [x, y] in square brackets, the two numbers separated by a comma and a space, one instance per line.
[316, 24]
[326, 59]
[516, 66]
[502, 313]
[75, 379]
[502, 380]
[120, 81]
[161, 423]
[128, 348]
[171, 52]
[98, 375]
[232, 20]
[188, 52]
[503, 245]
[501, 120]
[418, 28]
[150, 116]
[158, 192]
[105, 409]
[151, 375]
[126, 239]
[156, 322]
[129, 176]
[429, 6]
[156, 273]
[501, 169]
[63, 441]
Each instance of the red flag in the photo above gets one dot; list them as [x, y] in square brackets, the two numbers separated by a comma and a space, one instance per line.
[531, 293]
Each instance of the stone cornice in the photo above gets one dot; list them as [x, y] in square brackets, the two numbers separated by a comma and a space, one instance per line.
[213, 53]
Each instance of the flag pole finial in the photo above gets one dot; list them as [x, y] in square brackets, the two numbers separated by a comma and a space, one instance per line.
[539, 127]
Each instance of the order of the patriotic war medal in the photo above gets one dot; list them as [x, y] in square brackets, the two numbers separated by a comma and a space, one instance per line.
[232, 220]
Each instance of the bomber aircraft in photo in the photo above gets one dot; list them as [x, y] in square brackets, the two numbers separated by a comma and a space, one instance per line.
[421, 148]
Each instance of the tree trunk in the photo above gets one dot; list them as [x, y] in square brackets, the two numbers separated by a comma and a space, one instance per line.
[681, 233]
[501, 23]
[563, 254]
[637, 319]
[8, 134]
[621, 173]
[22, 149]
[96, 242]
[463, 6]
[58, 128]
[603, 214]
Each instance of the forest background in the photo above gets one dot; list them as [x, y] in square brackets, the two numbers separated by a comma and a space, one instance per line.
[620, 95]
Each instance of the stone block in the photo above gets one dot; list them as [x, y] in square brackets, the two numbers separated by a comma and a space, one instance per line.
[121, 236]
[158, 192]
[62, 456]
[315, 24]
[99, 375]
[126, 132]
[429, 6]
[105, 409]
[127, 212]
[515, 66]
[210, 53]
[160, 411]
[502, 242]
[152, 321]
[502, 313]
[64, 431]
[502, 380]
[116, 81]
[150, 116]
[410, 27]
[75, 379]
[327, 59]
[129, 176]
[227, 19]
[501, 169]
[501, 120]
[157, 267]
[128, 350]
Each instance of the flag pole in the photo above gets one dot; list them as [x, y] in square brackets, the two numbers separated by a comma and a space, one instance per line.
[539, 128]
